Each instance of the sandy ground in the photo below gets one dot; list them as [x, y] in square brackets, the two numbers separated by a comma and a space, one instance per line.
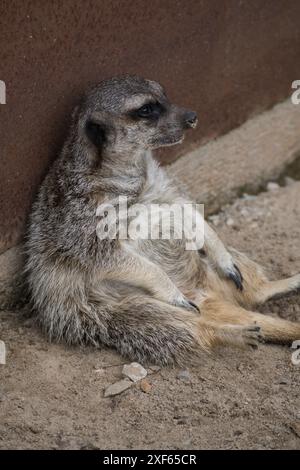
[53, 397]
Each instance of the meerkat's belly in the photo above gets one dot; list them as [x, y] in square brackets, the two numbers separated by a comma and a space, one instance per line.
[184, 267]
[159, 230]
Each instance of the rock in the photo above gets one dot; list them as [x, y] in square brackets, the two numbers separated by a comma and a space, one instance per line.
[134, 371]
[117, 388]
[229, 222]
[35, 429]
[249, 197]
[288, 180]
[271, 186]
[215, 220]
[182, 420]
[145, 386]
[186, 443]
[184, 375]
[245, 212]
[89, 446]
[154, 369]
[2, 352]
[295, 427]
[283, 381]
[240, 368]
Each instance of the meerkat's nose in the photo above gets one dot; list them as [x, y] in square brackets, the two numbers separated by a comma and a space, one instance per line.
[191, 119]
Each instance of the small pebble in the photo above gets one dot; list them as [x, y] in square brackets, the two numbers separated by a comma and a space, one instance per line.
[271, 186]
[215, 220]
[117, 388]
[184, 375]
[134, 371]
[244, 212]
[283, 381]
[229, 222]
[182, 420]
[288, 180]
[145, 386]
[249, 197]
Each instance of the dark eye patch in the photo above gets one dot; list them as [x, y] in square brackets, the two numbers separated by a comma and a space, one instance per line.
[150, 111]
[96, 133]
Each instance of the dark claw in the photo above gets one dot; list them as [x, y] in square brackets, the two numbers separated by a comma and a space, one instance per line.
[202, 252]
[238, 270]
[194, 305]
[254, 328]
[236, 277]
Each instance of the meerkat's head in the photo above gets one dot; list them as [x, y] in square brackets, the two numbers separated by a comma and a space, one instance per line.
[122, 115]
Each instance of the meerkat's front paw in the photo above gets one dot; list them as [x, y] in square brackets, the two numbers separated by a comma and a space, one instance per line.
[183, 302]
[236, 276]
[230, 270]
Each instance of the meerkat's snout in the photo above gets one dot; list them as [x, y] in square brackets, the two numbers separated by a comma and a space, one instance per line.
[190, 119]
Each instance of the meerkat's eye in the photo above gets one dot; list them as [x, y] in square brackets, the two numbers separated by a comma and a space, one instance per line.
[146, 110]
[151, 111]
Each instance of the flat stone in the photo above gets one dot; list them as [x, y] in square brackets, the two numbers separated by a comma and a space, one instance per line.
[271, 186]
[134, 371]
[117, 388]
[283, 381]
[249, 197]
[184, 375]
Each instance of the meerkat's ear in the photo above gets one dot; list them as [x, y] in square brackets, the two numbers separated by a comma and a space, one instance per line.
[95, 132]
[75, 113]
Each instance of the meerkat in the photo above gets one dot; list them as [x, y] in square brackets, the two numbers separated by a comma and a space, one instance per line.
[151, 300]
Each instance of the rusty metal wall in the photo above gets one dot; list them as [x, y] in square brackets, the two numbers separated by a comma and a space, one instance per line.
[227, 59]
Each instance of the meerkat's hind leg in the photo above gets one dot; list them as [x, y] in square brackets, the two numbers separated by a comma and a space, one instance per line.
[273, 289]
[146, 329]
[272, 329]
[257, 287]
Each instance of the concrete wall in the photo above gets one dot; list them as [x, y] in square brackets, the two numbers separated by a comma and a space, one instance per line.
[227, 59]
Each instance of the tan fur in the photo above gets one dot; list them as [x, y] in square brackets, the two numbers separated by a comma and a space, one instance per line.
[222, 303]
